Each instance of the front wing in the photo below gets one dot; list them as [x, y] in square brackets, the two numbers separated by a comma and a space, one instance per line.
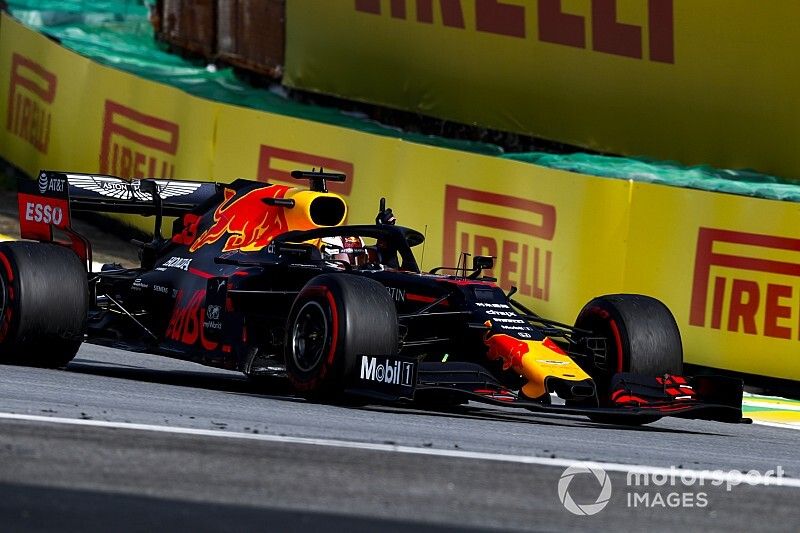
[713, 397]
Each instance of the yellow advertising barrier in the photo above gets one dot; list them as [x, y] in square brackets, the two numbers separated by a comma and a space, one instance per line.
[724, 264]
[699, 81]
[728, 268]
[61, 110]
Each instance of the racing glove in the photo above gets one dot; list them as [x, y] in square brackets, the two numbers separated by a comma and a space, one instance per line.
[385, 216]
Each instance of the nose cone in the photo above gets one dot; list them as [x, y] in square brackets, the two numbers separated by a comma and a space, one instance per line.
[544, 364]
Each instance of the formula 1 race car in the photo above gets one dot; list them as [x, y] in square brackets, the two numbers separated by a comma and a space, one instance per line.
[266, 279]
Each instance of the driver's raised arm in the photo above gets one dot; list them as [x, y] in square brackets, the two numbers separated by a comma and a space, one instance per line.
[385, 216]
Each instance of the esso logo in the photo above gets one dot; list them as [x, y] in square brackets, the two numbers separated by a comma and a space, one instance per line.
[45, 213]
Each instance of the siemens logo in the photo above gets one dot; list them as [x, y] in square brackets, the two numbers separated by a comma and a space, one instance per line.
[389, 372]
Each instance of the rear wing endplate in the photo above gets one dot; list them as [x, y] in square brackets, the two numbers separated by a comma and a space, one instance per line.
[46, 205]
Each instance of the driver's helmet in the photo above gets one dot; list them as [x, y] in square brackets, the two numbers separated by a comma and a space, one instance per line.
[350, 249]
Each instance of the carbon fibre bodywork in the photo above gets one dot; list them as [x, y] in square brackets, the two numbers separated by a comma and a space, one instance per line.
[220, 289]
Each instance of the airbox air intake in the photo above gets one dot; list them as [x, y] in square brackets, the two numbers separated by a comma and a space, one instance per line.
[327, 211]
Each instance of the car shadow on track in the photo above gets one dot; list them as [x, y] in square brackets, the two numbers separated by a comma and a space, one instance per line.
[488, 414]
[278, 389]
[213, 381]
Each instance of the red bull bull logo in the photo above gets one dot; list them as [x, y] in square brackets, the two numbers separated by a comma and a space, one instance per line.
[31, 91]
[137, 145]
[506, 348]
[249, 223]
[534, 360]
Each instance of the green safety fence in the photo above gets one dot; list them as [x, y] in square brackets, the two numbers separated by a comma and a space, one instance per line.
[118, 33]
[744, 182]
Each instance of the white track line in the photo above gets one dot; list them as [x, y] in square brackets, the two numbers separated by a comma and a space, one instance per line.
[720, 476]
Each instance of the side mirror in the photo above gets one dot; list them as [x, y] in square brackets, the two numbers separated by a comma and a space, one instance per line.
[148, 186]
[482, 262]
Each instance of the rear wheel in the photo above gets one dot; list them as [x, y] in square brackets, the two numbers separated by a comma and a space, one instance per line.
[642, 337]
[335, 319]
[44, 300]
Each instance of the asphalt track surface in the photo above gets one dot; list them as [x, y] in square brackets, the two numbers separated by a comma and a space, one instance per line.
[130, 442]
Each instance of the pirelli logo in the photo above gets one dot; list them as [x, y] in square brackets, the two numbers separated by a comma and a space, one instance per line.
[31, 91]
[137, 145]
[517, 231]
[746, 283]
[275, 165]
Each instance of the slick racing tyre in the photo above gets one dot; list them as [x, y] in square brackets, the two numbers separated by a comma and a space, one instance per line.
[335, 319]
[44, 300]
[642, 337]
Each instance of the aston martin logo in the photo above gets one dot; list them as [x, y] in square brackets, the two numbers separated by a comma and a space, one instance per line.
[128, 190]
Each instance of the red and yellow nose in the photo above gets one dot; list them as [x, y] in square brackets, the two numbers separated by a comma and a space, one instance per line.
[536, 361]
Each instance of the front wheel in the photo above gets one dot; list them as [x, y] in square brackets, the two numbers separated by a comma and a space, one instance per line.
[335, 319]
[642, 337]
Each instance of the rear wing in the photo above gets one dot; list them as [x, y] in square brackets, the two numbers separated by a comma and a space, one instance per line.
[111, 194]
[46, 205]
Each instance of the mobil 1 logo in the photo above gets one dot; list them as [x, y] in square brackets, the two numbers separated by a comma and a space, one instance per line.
[392, 376]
